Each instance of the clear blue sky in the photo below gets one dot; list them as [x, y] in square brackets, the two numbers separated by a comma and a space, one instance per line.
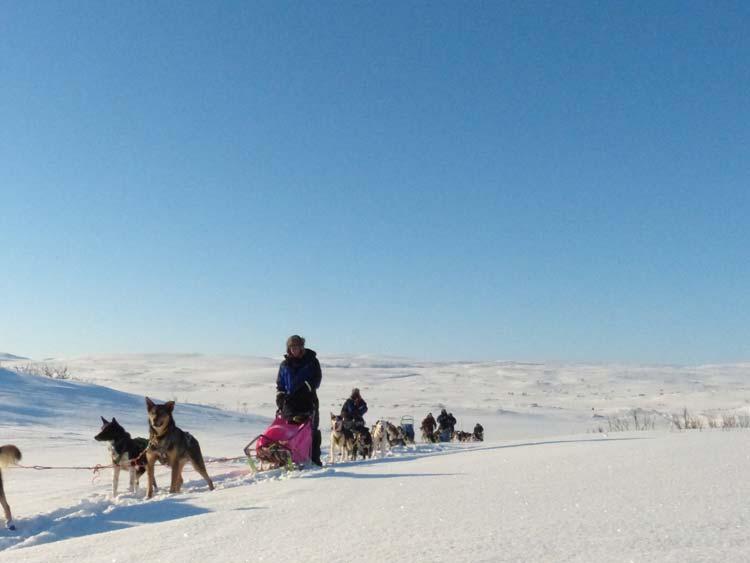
[464, 180]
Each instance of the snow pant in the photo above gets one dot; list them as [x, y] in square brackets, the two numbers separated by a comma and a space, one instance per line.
[316, 438]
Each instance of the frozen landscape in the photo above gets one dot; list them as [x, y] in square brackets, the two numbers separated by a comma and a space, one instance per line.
[551, 482]
[531, 214]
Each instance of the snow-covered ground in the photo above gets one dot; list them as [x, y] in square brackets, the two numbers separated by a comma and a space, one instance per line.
[542, 487]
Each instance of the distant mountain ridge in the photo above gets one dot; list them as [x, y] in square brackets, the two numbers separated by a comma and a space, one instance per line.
[9, 357]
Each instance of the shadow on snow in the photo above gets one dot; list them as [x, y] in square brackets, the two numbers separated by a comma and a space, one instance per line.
[96, 515]
[99, 513]
[421, 451]
[336, 473]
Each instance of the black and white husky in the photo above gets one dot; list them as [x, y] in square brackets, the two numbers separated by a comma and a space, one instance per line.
[362, 442]
[396, 434]
[123, 450]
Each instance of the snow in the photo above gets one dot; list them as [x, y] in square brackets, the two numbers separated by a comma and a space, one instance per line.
[4, 356]
[543, 487]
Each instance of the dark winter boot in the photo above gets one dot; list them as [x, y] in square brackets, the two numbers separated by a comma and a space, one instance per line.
[316, 439]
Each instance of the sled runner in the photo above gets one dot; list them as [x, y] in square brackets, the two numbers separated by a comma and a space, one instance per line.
[283, 444]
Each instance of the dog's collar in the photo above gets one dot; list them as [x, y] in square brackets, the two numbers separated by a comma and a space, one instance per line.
[157, 433]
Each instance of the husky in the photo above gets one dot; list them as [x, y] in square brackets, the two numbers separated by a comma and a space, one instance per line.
[478, 435]
[9, 455]
[379, 434]
[171, 446]
[362, 442]
[126, 453]
[461, 436]
[395, 434]
[341, 438]
[428, 436]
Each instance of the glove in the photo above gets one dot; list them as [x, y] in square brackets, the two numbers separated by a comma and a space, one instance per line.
[280, 399]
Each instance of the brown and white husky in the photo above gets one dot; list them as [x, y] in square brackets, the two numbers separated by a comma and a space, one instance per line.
[342, 439]
[170, 446]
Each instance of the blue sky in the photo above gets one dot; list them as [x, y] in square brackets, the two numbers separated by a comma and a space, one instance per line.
[478, 180]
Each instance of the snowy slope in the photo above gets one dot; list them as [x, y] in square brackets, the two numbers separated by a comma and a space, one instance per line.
[36, 400]
[4, 356]
[557, 494]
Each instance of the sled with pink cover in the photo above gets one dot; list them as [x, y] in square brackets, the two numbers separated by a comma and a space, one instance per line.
[283, 444]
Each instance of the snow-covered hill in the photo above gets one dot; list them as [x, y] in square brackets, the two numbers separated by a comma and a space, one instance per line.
[30, 400]
[4, 356]
[511, 399]
[540, 489]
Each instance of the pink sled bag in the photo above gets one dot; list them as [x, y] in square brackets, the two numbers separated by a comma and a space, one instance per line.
[296, 438]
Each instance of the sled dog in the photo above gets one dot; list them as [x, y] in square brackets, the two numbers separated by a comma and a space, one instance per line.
[362, 442]
[396, 435]
[171, 446]
[9, 455]
[342, 439]
[125, 452]
[379, 435]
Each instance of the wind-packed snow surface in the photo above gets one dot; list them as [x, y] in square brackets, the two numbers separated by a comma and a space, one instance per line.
[544, 486]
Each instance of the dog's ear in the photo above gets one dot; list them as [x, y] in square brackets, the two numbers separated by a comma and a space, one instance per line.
[149, 404]
[114, 420]
[169, 405]
[104, 420]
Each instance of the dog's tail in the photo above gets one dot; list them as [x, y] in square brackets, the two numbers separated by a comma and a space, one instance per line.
[9, 455]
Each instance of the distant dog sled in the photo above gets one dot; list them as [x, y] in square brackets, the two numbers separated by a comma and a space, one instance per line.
[407, 428]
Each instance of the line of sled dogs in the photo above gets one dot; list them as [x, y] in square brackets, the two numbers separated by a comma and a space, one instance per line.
[448, 435]
[172, 446]
[349, 440]
[166, 443]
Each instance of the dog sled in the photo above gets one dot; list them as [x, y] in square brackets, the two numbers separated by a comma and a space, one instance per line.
[444, 434]
[284, 443]
[407, 426]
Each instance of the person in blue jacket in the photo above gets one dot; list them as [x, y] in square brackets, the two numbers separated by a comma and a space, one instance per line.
[354, 409]
[296, 388]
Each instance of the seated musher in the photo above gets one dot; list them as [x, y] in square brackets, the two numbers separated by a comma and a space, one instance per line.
[296, 385]
[354, 410]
